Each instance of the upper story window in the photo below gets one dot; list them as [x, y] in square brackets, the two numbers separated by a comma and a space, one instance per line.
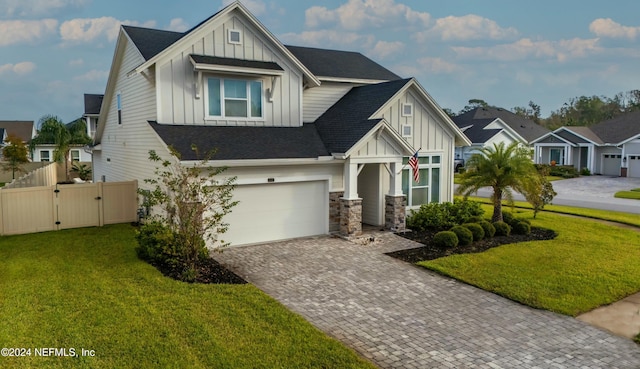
[119, 107]
[44, 155]
[235, 36]
[234, 98]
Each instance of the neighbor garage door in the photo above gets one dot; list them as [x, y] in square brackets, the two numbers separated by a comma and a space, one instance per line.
[277, 211]
[634, 166]
[611, 164]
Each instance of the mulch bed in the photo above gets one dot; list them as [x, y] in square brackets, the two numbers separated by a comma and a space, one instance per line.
[428, 252]
[209, 272]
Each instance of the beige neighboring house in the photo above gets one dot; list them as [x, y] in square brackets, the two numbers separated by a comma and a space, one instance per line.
[25, 129]
[317, 138]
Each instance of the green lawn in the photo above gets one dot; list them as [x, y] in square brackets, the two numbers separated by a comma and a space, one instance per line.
[633, 194]
[85, 288]
[588, 265]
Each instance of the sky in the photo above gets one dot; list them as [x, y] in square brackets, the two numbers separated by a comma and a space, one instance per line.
[505, 52]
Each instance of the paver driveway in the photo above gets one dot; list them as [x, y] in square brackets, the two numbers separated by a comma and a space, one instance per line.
[402, 316]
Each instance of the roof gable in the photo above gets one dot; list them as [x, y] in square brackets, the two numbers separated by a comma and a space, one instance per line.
[150, 42]
[21, 128]
[92, 104]
[348, 120]
[526, 128]
[341, 64]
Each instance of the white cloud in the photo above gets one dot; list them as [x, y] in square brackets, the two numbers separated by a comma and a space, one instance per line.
[256, 7]
[437, 65]
[21, 69]
[468, 27]
[76, 62]
[20, 31]
[328, 37]
[93, 75]
[608, 28]
[178, 25]
[382, 49]
[31, 8]
[526, 49]
[358, 14]
[89, 29]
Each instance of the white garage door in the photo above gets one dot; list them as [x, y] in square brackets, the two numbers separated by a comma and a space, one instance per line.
[611, 164]
[278, 211]
[634, 166]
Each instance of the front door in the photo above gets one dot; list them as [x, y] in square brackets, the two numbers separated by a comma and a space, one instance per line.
[557, 156]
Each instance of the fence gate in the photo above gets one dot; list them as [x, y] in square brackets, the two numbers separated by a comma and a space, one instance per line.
[77, 205]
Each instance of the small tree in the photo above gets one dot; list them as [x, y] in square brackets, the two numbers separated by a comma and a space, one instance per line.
[14, 155]
[539, 192]
[192, 203]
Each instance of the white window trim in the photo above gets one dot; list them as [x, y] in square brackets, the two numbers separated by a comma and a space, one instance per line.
[71, 154]
[119, 107]
[48, 155]
[208, 117]
[229, 38]
[429, 185]
[405, 105]
[403, 132]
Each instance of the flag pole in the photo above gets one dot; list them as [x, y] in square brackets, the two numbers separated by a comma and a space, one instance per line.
[401, 169]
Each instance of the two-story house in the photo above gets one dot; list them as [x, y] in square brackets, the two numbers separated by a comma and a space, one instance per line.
[318, 139]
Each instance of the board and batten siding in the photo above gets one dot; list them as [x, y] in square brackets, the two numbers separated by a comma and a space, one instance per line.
[334, 170]
[430, 134]
[317, 100]
[125, 147]
[177, 102]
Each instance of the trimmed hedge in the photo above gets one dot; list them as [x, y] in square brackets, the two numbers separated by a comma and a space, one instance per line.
[502, 228]
[476, 230]
[445, 240]
[521, 228]
[489, 229]
[465, 237]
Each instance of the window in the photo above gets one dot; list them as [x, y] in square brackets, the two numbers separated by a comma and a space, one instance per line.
[407, 131]
[44, 155]
[234, 36]
[427, 190]
[234, 98]
[407, 110]
[119, 107]
[75, 155]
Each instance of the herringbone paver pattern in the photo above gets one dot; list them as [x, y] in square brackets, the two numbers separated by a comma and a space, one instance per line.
[401, 316]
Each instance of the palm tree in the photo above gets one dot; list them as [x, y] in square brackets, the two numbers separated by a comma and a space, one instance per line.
[63, 136]
[504, 169]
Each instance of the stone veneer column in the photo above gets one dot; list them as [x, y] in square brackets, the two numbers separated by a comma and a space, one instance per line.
[334, 210]
[350, 217]
[395, 213]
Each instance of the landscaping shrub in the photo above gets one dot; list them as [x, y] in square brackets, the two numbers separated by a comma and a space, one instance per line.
[445, 240]
[476, 230]
[507, 217]
[564, 171]
[156, 244]
[521, 228]
[489, 229]
[444, 215]
[475, 219]
[502, 228]
[465, 237]
[585, 172]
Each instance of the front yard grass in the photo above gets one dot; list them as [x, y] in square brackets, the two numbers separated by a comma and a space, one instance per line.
[633, 194]
[588, 265]
[85, 288]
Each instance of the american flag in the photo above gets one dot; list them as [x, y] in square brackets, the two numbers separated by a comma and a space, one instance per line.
[413, 163]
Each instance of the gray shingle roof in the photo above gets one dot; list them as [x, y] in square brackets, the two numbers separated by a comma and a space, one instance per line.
[341, 64]
[476, 133]
[204, 59]
[585, 132]
[234, 143]
[618, 129]
[92, 103]
[151, 42]
[348, 120]
[20, 128]
[526, 128]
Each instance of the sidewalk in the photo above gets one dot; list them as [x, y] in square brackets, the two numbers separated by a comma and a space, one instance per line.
[621, 318]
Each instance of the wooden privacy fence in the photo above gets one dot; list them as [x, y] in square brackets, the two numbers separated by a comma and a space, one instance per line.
[44, 176]
[39, 209]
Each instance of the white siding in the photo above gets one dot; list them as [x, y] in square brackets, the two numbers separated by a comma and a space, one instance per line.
[125, 147]
[369, 189]
[177, 103]
[500, 137]
[430, 134]
[261, 174]
[318, 99]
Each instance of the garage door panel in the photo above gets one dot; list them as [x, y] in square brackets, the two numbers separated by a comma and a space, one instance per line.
[634, 166]
[611, 164]
[276, 211]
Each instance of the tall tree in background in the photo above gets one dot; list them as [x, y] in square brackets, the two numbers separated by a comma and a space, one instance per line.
[503, 168]
[473, 104]
[14, 154]
[53, 132]
[532, 112]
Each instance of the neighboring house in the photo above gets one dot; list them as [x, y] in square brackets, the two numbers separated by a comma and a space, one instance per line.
[609, 148]
[25, 129]
[317, 138]
[487, 126]
[92, 104]
[44, 152]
